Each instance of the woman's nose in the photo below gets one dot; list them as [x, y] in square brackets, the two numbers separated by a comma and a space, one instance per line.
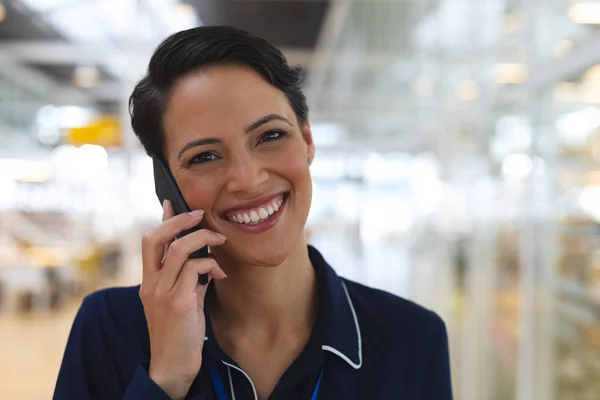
[246, 175]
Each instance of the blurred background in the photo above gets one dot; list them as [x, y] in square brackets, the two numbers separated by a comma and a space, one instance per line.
[458, 165]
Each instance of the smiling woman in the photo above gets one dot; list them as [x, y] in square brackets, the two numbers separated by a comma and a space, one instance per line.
[234, 142]
[228, 115]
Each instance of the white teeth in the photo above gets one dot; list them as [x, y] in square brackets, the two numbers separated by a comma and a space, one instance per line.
[256, 216]
[262, 213]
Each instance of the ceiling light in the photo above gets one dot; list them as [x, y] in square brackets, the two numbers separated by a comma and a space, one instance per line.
[590, 85]
[86, 77]
[565, 92]
[74, 116]
[79, 163]
[468, 91]
[588, 201]
[589, 93]
[2, 12]
[576, 128]
[592, 75]
[585, 13]
[510, 73]
[32, 171]
[513, 21]
[562, 48]
[517, 166]
[183, 16]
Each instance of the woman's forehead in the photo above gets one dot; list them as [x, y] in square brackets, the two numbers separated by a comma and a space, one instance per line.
[223, 83]
[223, 89]
[224, 98]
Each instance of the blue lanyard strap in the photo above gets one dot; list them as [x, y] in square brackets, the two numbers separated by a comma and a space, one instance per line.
[316, 392]
[220, 389]
[217, 382]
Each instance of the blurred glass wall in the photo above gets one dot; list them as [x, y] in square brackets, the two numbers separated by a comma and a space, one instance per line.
[458, 165]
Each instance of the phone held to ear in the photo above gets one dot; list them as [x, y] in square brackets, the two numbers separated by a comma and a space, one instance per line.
[167, 189]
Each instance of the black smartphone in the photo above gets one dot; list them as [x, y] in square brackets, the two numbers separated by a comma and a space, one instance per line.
[166, 188]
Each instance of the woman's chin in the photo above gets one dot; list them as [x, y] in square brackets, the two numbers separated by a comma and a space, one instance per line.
[258, 255]
[270, 258]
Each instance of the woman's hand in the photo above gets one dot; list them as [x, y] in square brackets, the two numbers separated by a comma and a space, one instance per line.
[174, 300]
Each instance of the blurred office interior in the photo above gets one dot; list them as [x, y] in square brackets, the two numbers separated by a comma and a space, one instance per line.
[458, 165]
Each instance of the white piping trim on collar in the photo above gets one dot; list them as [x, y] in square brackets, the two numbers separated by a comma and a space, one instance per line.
[245, 374]
[339, 353]
[231, 383]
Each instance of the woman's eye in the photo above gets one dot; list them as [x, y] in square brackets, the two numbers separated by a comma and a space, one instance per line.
[271, 135]
[203, 158]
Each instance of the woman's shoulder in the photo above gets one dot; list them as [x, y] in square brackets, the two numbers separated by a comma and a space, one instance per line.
[394, 314]
[399, 337]
[114, 301]
[116, 310]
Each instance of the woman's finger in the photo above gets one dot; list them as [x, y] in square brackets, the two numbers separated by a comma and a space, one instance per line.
[168, 211]
[154, 241]
[188, 279]
[179, 252]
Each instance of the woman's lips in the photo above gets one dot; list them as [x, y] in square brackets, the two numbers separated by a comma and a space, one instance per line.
[263, 224]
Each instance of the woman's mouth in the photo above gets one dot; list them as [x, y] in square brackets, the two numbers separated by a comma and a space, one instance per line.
[260, 218]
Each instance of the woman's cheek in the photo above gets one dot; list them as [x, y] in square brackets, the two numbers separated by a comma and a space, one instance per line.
[198, 192]
[293, 163]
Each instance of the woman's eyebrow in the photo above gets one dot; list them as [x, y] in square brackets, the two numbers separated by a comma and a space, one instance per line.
[263, 120]
[196, 143]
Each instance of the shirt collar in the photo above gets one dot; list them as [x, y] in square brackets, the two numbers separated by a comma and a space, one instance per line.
[336, 320]
[337, 316]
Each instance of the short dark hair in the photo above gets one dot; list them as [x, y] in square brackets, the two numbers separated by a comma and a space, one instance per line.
[187, 51]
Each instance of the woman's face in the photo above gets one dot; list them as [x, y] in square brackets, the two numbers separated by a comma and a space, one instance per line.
[236, 151]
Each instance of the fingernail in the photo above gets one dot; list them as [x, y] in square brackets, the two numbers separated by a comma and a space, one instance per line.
[196, 213]
[164, 204]
[222, 236]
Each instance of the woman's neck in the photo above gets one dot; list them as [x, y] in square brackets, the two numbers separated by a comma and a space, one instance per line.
[268, 301]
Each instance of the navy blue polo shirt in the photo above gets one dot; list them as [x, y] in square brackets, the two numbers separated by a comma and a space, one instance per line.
[368, 343]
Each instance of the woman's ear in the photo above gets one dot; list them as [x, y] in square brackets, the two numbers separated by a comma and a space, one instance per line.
[310, 145]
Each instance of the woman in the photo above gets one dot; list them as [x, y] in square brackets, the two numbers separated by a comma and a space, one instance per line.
[228, 114]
